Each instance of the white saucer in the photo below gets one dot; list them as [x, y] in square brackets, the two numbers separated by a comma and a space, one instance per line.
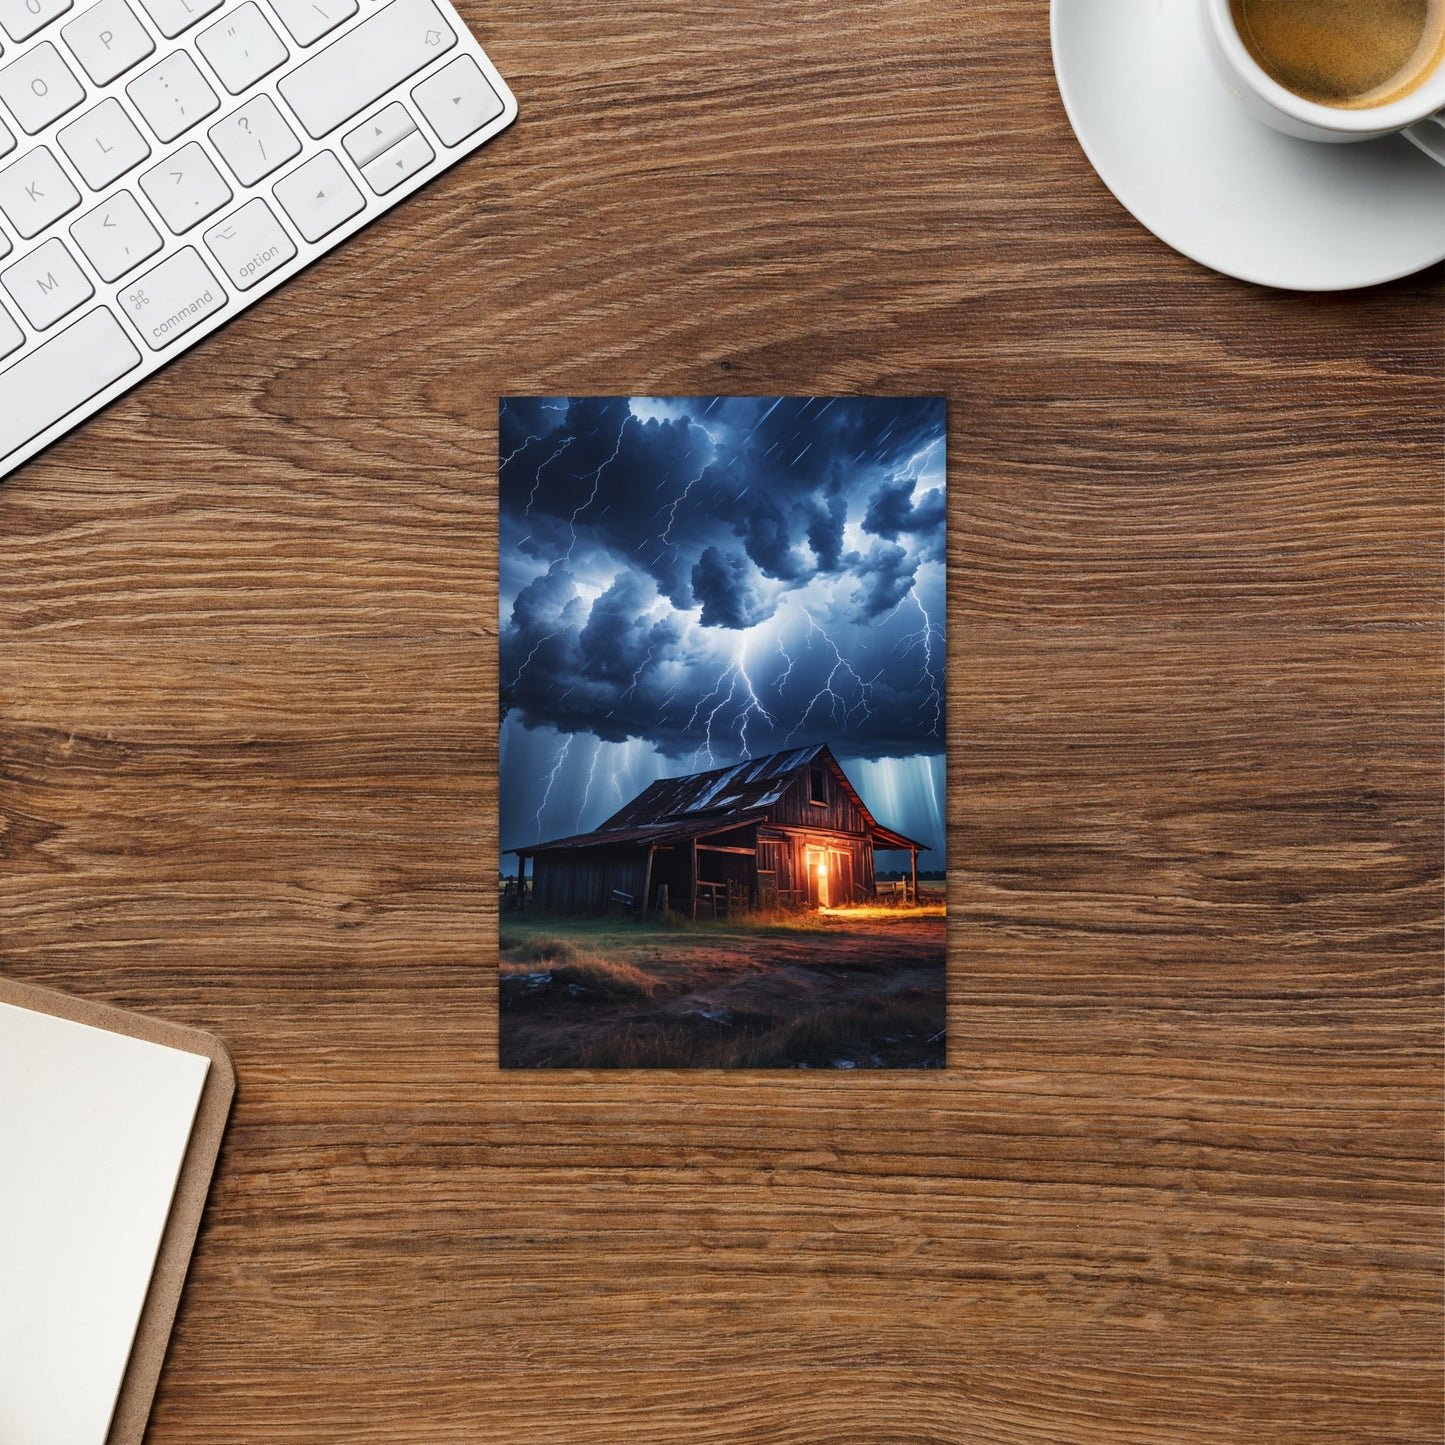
[1166, 136]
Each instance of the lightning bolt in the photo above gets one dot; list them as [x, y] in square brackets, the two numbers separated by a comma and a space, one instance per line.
[551, 779]
[640, 669]
[789, 659]
[682, 496]
[597, 482]
[732, 677]
[587, 790]
[754, 705]
[697, 712]
[537, 476]
[912, 469]
[897, 608]
[672, 512]
[533, 654]
[840, 711]
[516, 451]
[924, 637]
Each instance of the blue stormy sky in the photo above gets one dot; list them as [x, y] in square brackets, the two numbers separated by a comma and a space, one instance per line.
[689, 581]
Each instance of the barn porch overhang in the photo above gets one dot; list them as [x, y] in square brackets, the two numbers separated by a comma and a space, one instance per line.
[887, 838]
[881, 837]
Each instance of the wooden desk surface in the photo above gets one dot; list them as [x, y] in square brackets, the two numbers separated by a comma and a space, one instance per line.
[1183, 1180]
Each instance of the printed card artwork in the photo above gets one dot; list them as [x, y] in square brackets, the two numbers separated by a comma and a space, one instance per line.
[722, 732]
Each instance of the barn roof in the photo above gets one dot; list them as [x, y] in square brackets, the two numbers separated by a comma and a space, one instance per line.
[673, 810]
[745, 786]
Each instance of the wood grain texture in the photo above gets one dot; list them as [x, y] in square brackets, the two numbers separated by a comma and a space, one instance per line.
[1183, 1180]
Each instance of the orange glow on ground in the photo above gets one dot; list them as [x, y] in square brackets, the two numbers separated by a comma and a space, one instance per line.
[868, 912]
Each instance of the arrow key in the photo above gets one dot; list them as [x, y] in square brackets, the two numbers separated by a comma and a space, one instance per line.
[457, 101]
[116, 237]
[319, 195]
[401, 162]
[379, 133]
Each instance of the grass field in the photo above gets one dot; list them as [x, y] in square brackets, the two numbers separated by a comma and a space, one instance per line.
[855, 988]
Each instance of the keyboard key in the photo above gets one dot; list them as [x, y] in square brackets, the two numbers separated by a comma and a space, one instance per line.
[103, 144]
[22, 18]
[186, 188]
[318, 196]
[457, 101]
[7, 139]
[34, 192]
[241, 48]
[250, 244]
[173, 16]
[366, 62]
[47, 284]
[173, 96]
[402, 161]
[12, 338]
[107, 40]
[44, 386]
[172, 299]
[117, 236]
[378, 134]
[309, 20]
[5, 246]
[39, 88]
[255, 140]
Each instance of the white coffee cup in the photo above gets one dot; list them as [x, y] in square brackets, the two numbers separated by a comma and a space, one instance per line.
[1419, 115]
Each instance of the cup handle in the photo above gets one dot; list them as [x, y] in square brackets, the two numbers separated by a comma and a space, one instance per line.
[1429, 135]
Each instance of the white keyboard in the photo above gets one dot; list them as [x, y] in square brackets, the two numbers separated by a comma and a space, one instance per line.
[163, 163]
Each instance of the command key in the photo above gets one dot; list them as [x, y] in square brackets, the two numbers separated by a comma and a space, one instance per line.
[167, 302]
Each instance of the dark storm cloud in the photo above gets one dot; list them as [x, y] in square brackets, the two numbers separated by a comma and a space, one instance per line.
[887, 573]
[825, 533]
[722, 582]
[892, 510]
[737, 511]
[768, 538]
[544, 601]
[615, 640]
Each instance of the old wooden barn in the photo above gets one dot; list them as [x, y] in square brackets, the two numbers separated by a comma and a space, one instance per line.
[786, 828]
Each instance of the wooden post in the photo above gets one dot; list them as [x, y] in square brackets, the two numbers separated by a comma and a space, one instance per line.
[692, 867]
[647, 881]
[521, 882]
[914, 852]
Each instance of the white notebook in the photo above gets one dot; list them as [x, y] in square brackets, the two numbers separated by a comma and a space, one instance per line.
[93, 1131]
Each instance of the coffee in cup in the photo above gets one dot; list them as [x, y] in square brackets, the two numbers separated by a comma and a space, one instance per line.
[1347, 54]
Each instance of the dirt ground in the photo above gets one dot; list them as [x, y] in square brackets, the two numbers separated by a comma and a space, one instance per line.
[840, 993]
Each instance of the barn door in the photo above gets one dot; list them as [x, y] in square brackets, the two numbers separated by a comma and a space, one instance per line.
[817, 863]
